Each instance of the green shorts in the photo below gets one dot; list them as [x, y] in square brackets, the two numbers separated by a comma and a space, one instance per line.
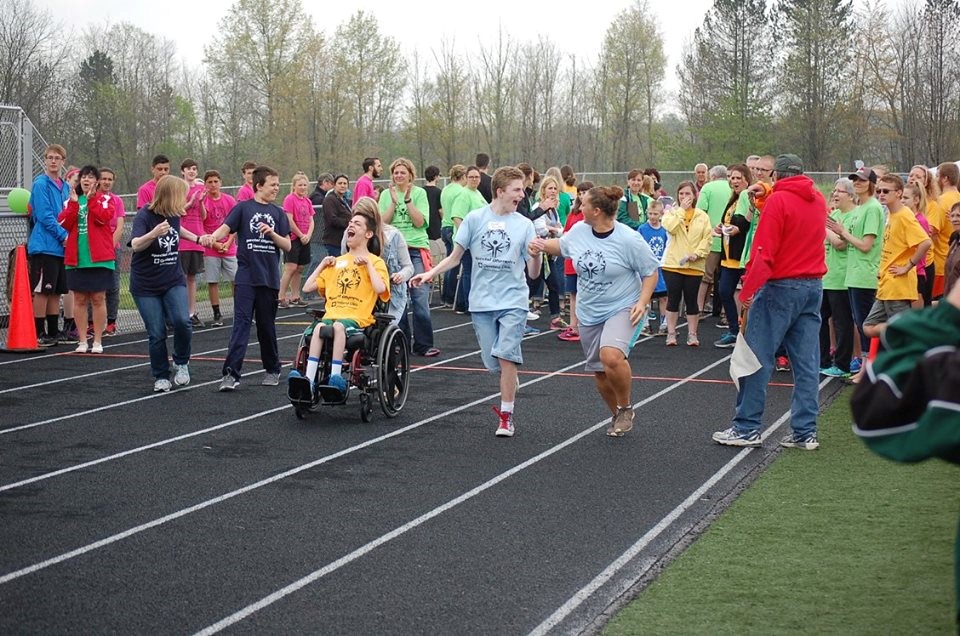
[351, 326]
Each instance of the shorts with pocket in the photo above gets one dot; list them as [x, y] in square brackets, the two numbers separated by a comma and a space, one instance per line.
[616, 332]
[48, 274]
[499, 334]
[220, 268]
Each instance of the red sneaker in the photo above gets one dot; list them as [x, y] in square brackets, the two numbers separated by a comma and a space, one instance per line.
[505, 428]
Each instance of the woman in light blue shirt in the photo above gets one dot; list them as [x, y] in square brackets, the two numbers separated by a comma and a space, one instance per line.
[617, 274]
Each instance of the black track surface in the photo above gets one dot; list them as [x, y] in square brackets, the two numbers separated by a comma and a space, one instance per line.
[490, 535]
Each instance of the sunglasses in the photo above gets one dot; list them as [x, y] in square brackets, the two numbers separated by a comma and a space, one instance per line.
[885, 191]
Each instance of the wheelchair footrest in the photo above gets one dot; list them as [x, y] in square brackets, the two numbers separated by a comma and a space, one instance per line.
[298, 390]
[331, 394]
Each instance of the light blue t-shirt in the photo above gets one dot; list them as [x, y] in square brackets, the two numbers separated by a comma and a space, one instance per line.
[656, 238]
[498, 244]
[608, 269]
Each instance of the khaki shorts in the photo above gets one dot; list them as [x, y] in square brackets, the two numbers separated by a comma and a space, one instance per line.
[712, 267]
[219, 268]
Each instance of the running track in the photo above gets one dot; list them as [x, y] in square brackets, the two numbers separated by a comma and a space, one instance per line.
[197, 512]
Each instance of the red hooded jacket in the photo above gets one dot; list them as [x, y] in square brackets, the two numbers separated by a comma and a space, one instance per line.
[101, 207]
[790, 236]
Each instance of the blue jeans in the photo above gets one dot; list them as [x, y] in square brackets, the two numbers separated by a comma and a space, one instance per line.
[419, 305]
[861, 302]
[784, 311]
[156, 311]
[554, 281]
[449, 286]
[462, 296]
[250, 301]
[727, 287]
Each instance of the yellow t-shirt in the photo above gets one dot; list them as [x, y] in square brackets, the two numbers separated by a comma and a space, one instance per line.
[901, 237]
[348, 290]
[942, 244]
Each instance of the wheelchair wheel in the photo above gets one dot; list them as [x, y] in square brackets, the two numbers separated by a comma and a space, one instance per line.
[393, 368]
[298, 411]
[366, 407]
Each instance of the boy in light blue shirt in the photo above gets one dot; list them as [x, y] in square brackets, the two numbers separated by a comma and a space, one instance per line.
[497, 237]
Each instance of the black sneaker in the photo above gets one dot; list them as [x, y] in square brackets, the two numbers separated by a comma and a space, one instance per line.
[196, 322]
[47, 341]
[217, 321]
[69, 336]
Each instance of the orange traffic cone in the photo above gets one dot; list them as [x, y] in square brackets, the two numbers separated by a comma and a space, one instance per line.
[21, 331]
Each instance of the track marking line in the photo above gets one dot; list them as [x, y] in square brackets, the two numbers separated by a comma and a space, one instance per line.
[631, 553]
[250, 487]
[413, 523]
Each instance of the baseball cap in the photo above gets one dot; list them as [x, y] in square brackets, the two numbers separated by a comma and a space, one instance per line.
[864, 173]
[788, 164]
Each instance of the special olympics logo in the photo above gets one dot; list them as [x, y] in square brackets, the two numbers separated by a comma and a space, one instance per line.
[348, 279]
[591, 264]
[257, 219]
[169, 241]
[496, 242]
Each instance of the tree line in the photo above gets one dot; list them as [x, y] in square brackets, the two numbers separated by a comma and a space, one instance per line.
[825, 79]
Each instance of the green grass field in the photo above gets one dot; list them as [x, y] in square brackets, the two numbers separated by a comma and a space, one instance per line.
[832, 541]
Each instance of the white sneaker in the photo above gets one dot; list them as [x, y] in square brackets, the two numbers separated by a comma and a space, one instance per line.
[532, 315]
[162, 385]
[182, 375]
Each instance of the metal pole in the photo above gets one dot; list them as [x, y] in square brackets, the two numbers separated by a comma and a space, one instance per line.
[26, 151]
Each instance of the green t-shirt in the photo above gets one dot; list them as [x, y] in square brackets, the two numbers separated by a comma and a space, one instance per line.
[836, 259]
[83, 239]
[714, 196]
[563, 209]
[862, 267]
[465, 203]
[414, 236]
[448, 195]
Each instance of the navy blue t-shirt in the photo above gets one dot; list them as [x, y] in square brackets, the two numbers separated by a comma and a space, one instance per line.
[157, 268]
[258, 258]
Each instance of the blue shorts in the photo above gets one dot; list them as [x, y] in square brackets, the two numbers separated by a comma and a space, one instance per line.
[572, 283]
[499, 334]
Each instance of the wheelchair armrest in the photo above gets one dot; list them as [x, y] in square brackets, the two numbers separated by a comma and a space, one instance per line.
[316, 314]
[382, 316]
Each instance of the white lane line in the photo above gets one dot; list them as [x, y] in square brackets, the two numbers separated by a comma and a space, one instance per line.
[153, 396]
[263, 482]
[178, 438]
[620, 562]
[410, 525]
[54, 354]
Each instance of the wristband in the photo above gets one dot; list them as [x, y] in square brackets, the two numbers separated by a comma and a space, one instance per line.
[407, 200]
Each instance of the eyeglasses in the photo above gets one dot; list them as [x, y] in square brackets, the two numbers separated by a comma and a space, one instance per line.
[885, 191]
[759, 169]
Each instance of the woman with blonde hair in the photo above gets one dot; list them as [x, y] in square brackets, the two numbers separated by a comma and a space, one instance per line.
[549, 226]
[299, 211]
[157, 282]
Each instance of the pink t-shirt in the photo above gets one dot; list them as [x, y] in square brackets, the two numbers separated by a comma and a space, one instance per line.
[192, 221]
[301, 208]
[364, 188]
[145, 193]
[922, 263]
[245, 192]
[217, 211]
[121, 213]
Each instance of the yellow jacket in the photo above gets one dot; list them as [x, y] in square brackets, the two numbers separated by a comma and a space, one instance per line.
[684, 241]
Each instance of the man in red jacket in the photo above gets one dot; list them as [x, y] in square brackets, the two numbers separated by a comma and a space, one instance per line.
[783, 289]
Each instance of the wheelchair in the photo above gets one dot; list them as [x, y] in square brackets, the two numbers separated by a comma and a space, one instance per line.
[375, 362]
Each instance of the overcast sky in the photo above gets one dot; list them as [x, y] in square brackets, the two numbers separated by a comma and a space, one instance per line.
[580, 29]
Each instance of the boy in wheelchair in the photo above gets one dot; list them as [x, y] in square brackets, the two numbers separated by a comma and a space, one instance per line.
[352, 284]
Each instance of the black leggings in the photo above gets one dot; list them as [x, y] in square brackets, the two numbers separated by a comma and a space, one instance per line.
[685, 286]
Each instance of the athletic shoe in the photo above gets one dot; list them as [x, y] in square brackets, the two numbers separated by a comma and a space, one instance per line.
[835, 372]
[90, 331]
[69, 336]
[726, 341]
[182, 375]
[505, 427]
[855, 365]
[81, 348]
[730, 437]
[47, 341]
[270, 379]
[532, 315]
[530, 331]
[338, 382]
[722, 323]
[196, 322]
[646, 331]
[283, 304]
[461, 312]
[162, 385]
[229, 383]
[569, 335]
[692, 340]
[807, 442]
[96, 347]
[622, 422]
[558, 323]
[663, 329]
[783, 363]
[217, 321]
[111, 330]
[298, 302]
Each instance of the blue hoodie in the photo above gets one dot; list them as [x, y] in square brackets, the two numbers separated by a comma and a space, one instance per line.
[46, 203]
